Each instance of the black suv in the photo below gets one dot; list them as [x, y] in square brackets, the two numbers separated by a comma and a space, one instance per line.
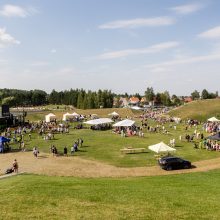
[171, 163]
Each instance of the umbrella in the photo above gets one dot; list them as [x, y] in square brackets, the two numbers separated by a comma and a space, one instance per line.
[213, 119]
[161, 148]
[4, 139]
[114, 114]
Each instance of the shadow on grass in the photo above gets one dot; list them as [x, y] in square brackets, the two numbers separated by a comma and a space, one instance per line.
[178, 146]
[42, 156]
[193, 166]
[136, 153]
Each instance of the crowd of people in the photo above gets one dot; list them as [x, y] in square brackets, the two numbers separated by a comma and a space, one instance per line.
[211, 127]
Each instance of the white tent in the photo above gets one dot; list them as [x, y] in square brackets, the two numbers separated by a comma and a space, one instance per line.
[67, 116]
[161, 148]
[50, 117]
[94, 116]
[177, 120]
[124, 123]
[114, 114]
[98, 121]
[213, 119]
[75, 114]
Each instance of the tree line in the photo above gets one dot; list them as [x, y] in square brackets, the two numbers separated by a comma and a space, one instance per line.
[83, 99]
[79, 98]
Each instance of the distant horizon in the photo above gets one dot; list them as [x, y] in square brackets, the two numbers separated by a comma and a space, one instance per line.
[122, 46]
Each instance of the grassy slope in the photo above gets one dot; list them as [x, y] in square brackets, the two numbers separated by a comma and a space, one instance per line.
[188, 196]
[123, 112]
[200, 110]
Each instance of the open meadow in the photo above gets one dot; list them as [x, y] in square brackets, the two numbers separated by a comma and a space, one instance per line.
[187, 196]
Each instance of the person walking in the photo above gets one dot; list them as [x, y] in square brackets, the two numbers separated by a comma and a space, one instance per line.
[35, 151]
[72, 150]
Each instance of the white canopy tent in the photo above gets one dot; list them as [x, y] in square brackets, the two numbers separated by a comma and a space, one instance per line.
[114, 114]
[50, 117]
[161, 148]
[124, 123]
[177, 120]
[98, 121]
[213, 119]
[67, 116]
[75, 114]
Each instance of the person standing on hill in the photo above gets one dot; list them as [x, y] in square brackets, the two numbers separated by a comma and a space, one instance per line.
[65, 151]
[81, 142]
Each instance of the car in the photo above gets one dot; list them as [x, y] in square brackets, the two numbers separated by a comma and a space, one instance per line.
[173, 163]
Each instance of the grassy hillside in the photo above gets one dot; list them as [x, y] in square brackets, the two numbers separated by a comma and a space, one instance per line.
[188, 196]
[123, 112]
[200, 110]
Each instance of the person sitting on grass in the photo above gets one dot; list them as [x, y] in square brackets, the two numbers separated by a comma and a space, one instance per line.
[15, 166]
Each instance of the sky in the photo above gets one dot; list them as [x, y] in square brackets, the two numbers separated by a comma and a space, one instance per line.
[120, 45]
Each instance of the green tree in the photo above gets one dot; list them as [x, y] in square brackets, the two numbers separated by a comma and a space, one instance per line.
[205, 94]
[149, 94]
[195, 95]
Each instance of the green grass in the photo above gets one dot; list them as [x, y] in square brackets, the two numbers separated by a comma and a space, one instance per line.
[105, 146]
[36, 116]
[186, 196]
[200, 110]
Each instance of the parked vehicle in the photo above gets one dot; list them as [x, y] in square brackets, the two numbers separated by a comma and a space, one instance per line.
[173, 163]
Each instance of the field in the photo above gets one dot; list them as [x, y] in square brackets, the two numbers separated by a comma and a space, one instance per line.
[200, 110]
[100, 182]
[104, 146]
[186, 196]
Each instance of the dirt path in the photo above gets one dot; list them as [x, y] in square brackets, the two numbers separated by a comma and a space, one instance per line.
[78, 167]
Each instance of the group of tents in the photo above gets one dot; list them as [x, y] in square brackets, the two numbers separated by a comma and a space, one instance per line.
[96, 121]
[51, 117]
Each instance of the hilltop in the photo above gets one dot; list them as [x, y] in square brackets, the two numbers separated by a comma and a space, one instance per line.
[200, 110]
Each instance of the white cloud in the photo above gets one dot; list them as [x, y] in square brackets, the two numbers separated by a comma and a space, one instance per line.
[213, 33]
[152, 49]
[187, 9]
[139, 22]
[53, 51]
[6, 39]
[17, 11]
[39, 64]
[189, 60]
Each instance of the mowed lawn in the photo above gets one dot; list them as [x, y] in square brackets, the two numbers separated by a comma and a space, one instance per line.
[105, 146]
[186, 196]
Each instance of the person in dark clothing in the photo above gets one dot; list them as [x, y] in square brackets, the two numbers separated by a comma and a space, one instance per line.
[65, 151]
[75, 146]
